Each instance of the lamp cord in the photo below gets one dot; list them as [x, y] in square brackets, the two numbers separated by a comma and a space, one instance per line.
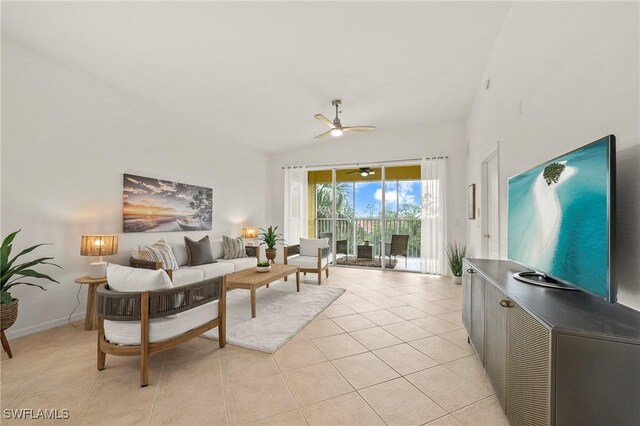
[74, 309]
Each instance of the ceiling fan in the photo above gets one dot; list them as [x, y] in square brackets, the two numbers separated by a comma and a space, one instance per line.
[336, 128]
[364, 171]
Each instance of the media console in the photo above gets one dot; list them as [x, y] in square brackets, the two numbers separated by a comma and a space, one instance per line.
[554, 357]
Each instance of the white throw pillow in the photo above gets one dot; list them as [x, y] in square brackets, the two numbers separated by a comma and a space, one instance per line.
[180, 253]
[309, 247]
[126, 279]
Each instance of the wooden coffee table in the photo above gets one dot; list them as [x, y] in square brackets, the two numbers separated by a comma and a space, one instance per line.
[251, 280]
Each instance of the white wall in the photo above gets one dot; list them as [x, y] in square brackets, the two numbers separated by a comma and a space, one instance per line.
[382, 145]
[66, 141]
[574, 67]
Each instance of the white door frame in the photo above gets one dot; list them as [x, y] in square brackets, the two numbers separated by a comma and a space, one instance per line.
[494, 152]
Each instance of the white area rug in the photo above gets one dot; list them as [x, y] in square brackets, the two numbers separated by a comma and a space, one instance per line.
[281, 313]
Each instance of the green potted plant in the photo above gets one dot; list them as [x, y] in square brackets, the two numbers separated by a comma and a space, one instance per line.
[263, 266]
[455, 254]
[14, 274]
[270, 238]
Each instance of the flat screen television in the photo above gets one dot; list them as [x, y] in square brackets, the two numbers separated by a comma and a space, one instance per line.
[561, 220]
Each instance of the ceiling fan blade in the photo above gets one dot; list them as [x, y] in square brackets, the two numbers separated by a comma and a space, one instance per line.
[323, 134]
[325, 120]
[358, 128]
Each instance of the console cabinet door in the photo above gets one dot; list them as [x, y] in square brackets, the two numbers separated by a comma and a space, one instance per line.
[467, 276]
[477, 314]
[528, 369]
[496, 344]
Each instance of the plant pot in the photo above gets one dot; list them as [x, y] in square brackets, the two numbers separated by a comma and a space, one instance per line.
[271, 254]
[8, 314]
[456, 280]
[263, 268]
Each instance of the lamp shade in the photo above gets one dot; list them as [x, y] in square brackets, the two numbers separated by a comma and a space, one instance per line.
[250, 232]
[99, 245]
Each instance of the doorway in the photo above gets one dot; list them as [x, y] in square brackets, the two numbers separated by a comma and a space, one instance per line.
[490, 198]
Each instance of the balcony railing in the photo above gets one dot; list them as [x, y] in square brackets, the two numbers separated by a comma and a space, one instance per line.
[358, 230]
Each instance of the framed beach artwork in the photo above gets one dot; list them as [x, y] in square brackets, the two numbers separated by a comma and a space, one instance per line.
[156, 205]
[471, 201]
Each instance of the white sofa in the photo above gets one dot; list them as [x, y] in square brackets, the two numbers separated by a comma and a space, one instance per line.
[190, 274]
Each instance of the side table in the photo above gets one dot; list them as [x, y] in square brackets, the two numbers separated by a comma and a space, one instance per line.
[91, 316]
[365, 251]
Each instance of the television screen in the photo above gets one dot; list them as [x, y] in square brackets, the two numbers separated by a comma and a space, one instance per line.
[561, 218]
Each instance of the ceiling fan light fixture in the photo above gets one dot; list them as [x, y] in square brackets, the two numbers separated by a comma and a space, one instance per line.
[364, 173]
[336, 132]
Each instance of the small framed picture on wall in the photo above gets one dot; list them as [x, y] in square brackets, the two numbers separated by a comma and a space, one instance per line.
[471, 201]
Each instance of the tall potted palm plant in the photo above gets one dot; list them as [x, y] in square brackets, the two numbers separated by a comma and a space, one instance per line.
[14, 274]
[455, 255]
[270, 238]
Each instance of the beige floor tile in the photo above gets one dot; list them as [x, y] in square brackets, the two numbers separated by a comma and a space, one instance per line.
[445, 387]
[121, 393]
[322, 328]
[339, 346]
[471, 369]
[362, 306]
[375, 338]
[203, 376]
[316, 383]
[454, 317]
[382, 317]
[405, 359]
[131, 416]
[204, 407]
[448, 420]
[398, 402]
[440, 349]
[353, 322]
[487, 412]
[251, 400]
[300, 337]
[364, 370]
[192, 350]
[349, 409]
[457, 337]
[239, 363]
[291, 418]
[408, 312]
[390, 302]
[407, 331]
[298, 355]
[435, 325]
[338, 311]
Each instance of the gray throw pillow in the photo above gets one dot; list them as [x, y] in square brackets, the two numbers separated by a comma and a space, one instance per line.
[233, 247]
[199, 251]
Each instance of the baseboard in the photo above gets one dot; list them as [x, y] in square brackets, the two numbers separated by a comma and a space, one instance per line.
[13, 333]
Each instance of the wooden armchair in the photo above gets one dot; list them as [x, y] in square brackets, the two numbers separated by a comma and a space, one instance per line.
[140, 323]
[310, 256]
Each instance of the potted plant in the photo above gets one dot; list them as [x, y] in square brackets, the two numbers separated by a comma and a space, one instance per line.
[14, 274]
[455, 254]
[270, 237]
[263, 266]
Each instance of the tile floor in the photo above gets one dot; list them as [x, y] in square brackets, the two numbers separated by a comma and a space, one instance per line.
[391, 350]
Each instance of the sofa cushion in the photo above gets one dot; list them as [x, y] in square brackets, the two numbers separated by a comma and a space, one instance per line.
[218, 269]
[181, 254]
[307, 262]
[124, 278]
[199, 251]
[309, 247]
[160, 329]
[233, 247]
[217, 249]
[159, 251]
[187, 275]
[242, 263]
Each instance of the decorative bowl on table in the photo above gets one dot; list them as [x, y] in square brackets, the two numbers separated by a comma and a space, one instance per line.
[263, 267]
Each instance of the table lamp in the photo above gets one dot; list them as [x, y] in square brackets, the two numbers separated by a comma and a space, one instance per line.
[98, 245]
[249, 233]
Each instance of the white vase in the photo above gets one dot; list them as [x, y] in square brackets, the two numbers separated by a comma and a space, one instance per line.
[263, 268]
[456, 280]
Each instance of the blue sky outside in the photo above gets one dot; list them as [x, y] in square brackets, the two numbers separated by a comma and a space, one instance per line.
[397, 192]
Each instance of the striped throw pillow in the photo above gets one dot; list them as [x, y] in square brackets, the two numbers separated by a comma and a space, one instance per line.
[158, 252]
[233, 247]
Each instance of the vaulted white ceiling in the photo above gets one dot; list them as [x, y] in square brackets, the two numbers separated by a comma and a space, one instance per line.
[258, 72]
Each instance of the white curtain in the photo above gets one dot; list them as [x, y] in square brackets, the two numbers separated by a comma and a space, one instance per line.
[295, 204]
[434, 216]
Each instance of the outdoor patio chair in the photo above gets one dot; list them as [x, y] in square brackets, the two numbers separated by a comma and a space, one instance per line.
[399, 246]
[311, 255]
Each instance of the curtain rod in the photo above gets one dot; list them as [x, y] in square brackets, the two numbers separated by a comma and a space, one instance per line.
[315, 166]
